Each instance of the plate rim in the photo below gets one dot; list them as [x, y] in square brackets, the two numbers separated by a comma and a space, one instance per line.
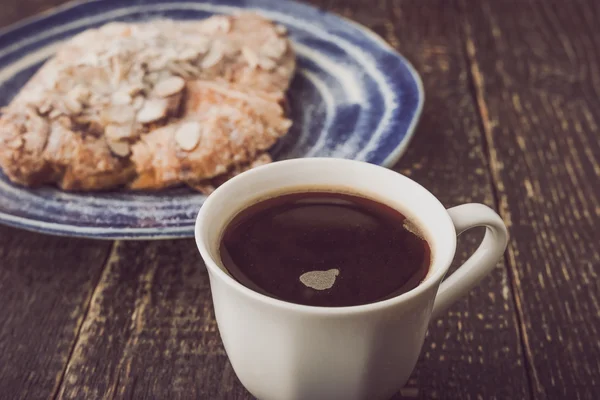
[165, 233]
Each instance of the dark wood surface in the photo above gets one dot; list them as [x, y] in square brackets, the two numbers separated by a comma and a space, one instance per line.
[536, 75]
[511, 119]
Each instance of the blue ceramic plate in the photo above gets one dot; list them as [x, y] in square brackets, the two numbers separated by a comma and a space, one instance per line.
[352, 97]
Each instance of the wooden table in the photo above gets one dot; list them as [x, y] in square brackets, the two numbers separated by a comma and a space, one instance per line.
[511, 119]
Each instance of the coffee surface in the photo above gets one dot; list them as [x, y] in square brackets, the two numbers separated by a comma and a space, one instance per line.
[325, 249]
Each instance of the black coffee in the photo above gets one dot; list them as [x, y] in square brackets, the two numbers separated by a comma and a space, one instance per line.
[325, 249]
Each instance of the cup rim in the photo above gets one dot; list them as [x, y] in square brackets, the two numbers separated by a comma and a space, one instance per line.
[212, 266]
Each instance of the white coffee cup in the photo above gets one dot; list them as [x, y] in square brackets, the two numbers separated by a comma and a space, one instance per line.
[281, 350]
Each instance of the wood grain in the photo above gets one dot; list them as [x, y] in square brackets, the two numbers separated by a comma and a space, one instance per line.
[536, 70]
[473, 351]
[150, 331]
[45, 287]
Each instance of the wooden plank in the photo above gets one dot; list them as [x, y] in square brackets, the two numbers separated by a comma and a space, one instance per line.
[536, 69]
[45, 287]
[150, 332]
[466, 349]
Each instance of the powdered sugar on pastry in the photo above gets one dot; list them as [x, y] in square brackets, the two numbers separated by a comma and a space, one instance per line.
[117, 104]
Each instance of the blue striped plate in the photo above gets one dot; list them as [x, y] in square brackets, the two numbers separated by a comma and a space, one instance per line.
[353, 97]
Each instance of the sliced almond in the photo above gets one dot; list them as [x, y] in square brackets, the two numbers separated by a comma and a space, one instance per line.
[119, 114]
[15, 143]
[225, 25]
[250, 56]
[202, 44]
[120, 98]
[79, 93]
[138, 102]
[274, 48]
[229, 48]
[190, 69]
[261, 160]
[55, 113]
[188, 135]
[158, 63]
[45, 107]
[72, 105]
[119, 148]
[169, 86]
[152, 110]
[152, 77]
[178, 69]
[65, 121]
[119, 132]
[98, 100]
[216, 24]
[220, 169]
[214, 56]
[133, 88]
[194, 45]
[89, 59]
[280, 29]
[286, 124]
[266, 63]
[188, 54]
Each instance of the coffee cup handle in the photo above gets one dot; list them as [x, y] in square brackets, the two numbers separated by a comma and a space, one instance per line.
[484, 259]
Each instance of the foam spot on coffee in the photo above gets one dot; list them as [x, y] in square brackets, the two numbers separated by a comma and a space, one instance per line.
[413, 228]
[320, 280]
